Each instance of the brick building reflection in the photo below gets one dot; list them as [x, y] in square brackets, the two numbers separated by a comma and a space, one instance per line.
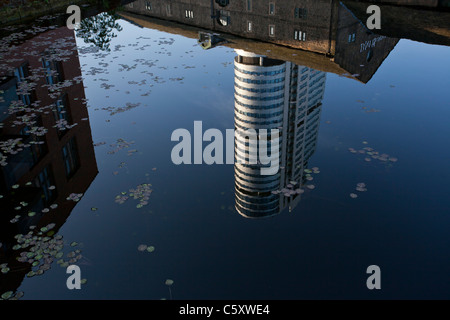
[342, 43]
[47, 151]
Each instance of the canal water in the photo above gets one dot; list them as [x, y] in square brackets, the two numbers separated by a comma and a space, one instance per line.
[88, 176]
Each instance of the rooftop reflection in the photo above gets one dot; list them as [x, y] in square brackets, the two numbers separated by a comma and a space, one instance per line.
[324, 35]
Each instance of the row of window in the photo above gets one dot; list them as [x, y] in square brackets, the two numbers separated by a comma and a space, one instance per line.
[316, 80]
[259, 98]
[259, 115]
[45, 178]
[272, 209]
[278, 80]
[270, 198]
[260, 123]
[239, 140]
[352, 37]
[224, 19]
[300, 13]
[70, 157]
[259, 73]
[244, 128]
[271, 7]
[264, 182]
[314, 73]
[316, 91]
[300, 116]
[299, 35]
[256, 175]
[259, 107]
[314, 102]
[262, 90]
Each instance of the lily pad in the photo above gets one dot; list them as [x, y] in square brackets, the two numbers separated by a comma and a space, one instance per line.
[142, 247]
[31, 274]
[169, 282]
[7, 295]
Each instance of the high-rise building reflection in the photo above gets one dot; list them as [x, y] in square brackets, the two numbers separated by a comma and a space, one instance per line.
[274, 94]
[284, 51]
[45, 137]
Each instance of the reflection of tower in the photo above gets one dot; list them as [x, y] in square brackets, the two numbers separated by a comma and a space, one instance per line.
[274, 94]
[46, 143]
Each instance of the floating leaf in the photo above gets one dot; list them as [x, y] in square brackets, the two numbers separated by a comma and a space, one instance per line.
[18, 295]
[169, 282]
[142, 247]
[151, 249]
[7, 295]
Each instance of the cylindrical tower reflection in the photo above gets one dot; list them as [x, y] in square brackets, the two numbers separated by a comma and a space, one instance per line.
[273, 94]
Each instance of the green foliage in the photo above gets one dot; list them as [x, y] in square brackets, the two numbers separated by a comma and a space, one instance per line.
[99, 30]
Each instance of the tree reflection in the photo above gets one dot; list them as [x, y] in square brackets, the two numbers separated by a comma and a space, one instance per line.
[99, 29]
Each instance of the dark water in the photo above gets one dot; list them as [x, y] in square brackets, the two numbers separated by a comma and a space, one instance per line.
[213, 235]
